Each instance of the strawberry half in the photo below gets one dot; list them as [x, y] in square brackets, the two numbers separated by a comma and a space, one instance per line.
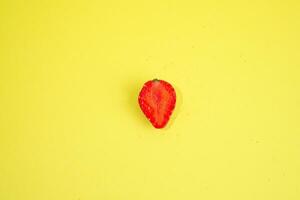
[157, 100]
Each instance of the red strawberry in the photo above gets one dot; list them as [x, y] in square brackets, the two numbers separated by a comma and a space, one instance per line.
[157, 100]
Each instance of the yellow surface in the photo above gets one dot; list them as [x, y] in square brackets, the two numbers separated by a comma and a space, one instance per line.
[70, 126]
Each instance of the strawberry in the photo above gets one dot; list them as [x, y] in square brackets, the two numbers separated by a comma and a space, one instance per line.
[157, 100]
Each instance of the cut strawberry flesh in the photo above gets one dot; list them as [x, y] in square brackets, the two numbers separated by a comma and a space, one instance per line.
[157, 100]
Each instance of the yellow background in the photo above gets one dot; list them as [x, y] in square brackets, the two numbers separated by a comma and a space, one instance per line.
[70, 125]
